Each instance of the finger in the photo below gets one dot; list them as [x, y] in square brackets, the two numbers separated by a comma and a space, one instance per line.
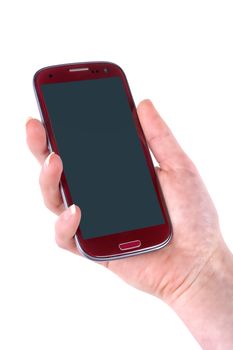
[36, 139]
[49, 183]
[65, 228]
[160, 139]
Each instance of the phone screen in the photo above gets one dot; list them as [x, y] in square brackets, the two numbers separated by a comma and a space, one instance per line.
[103, 159]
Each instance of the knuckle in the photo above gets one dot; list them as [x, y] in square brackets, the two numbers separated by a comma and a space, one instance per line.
[60, 240]
[47, 203]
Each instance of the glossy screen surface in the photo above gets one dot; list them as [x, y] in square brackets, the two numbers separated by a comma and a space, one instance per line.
[103, 159]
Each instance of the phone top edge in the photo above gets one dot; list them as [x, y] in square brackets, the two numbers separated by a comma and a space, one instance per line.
[74, 64]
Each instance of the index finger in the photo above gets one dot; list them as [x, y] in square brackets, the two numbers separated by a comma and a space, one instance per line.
[36, 139]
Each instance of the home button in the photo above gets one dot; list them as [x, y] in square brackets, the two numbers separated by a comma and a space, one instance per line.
[130, 245]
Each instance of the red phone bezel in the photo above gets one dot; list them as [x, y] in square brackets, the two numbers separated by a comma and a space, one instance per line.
[104, 247]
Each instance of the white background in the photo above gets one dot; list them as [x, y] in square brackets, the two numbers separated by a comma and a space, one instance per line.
[177, 53]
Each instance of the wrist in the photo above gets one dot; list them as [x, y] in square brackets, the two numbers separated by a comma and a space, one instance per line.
[206, 306]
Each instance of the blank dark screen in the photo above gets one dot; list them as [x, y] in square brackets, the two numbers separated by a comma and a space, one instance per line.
[102, 156]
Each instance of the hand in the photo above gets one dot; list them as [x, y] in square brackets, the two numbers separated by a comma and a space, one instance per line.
[168, 272]
[194, 273]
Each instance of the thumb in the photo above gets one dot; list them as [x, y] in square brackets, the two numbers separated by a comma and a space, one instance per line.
[159, 137]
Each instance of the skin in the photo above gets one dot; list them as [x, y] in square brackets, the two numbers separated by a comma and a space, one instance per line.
[187, 264]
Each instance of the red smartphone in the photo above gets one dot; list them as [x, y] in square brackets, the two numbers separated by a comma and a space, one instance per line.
[91, 121]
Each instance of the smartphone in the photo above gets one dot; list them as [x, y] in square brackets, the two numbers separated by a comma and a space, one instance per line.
[91, 122]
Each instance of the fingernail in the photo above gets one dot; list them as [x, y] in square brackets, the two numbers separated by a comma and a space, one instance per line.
[70, 211]
[47, 160]
[27, 120]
